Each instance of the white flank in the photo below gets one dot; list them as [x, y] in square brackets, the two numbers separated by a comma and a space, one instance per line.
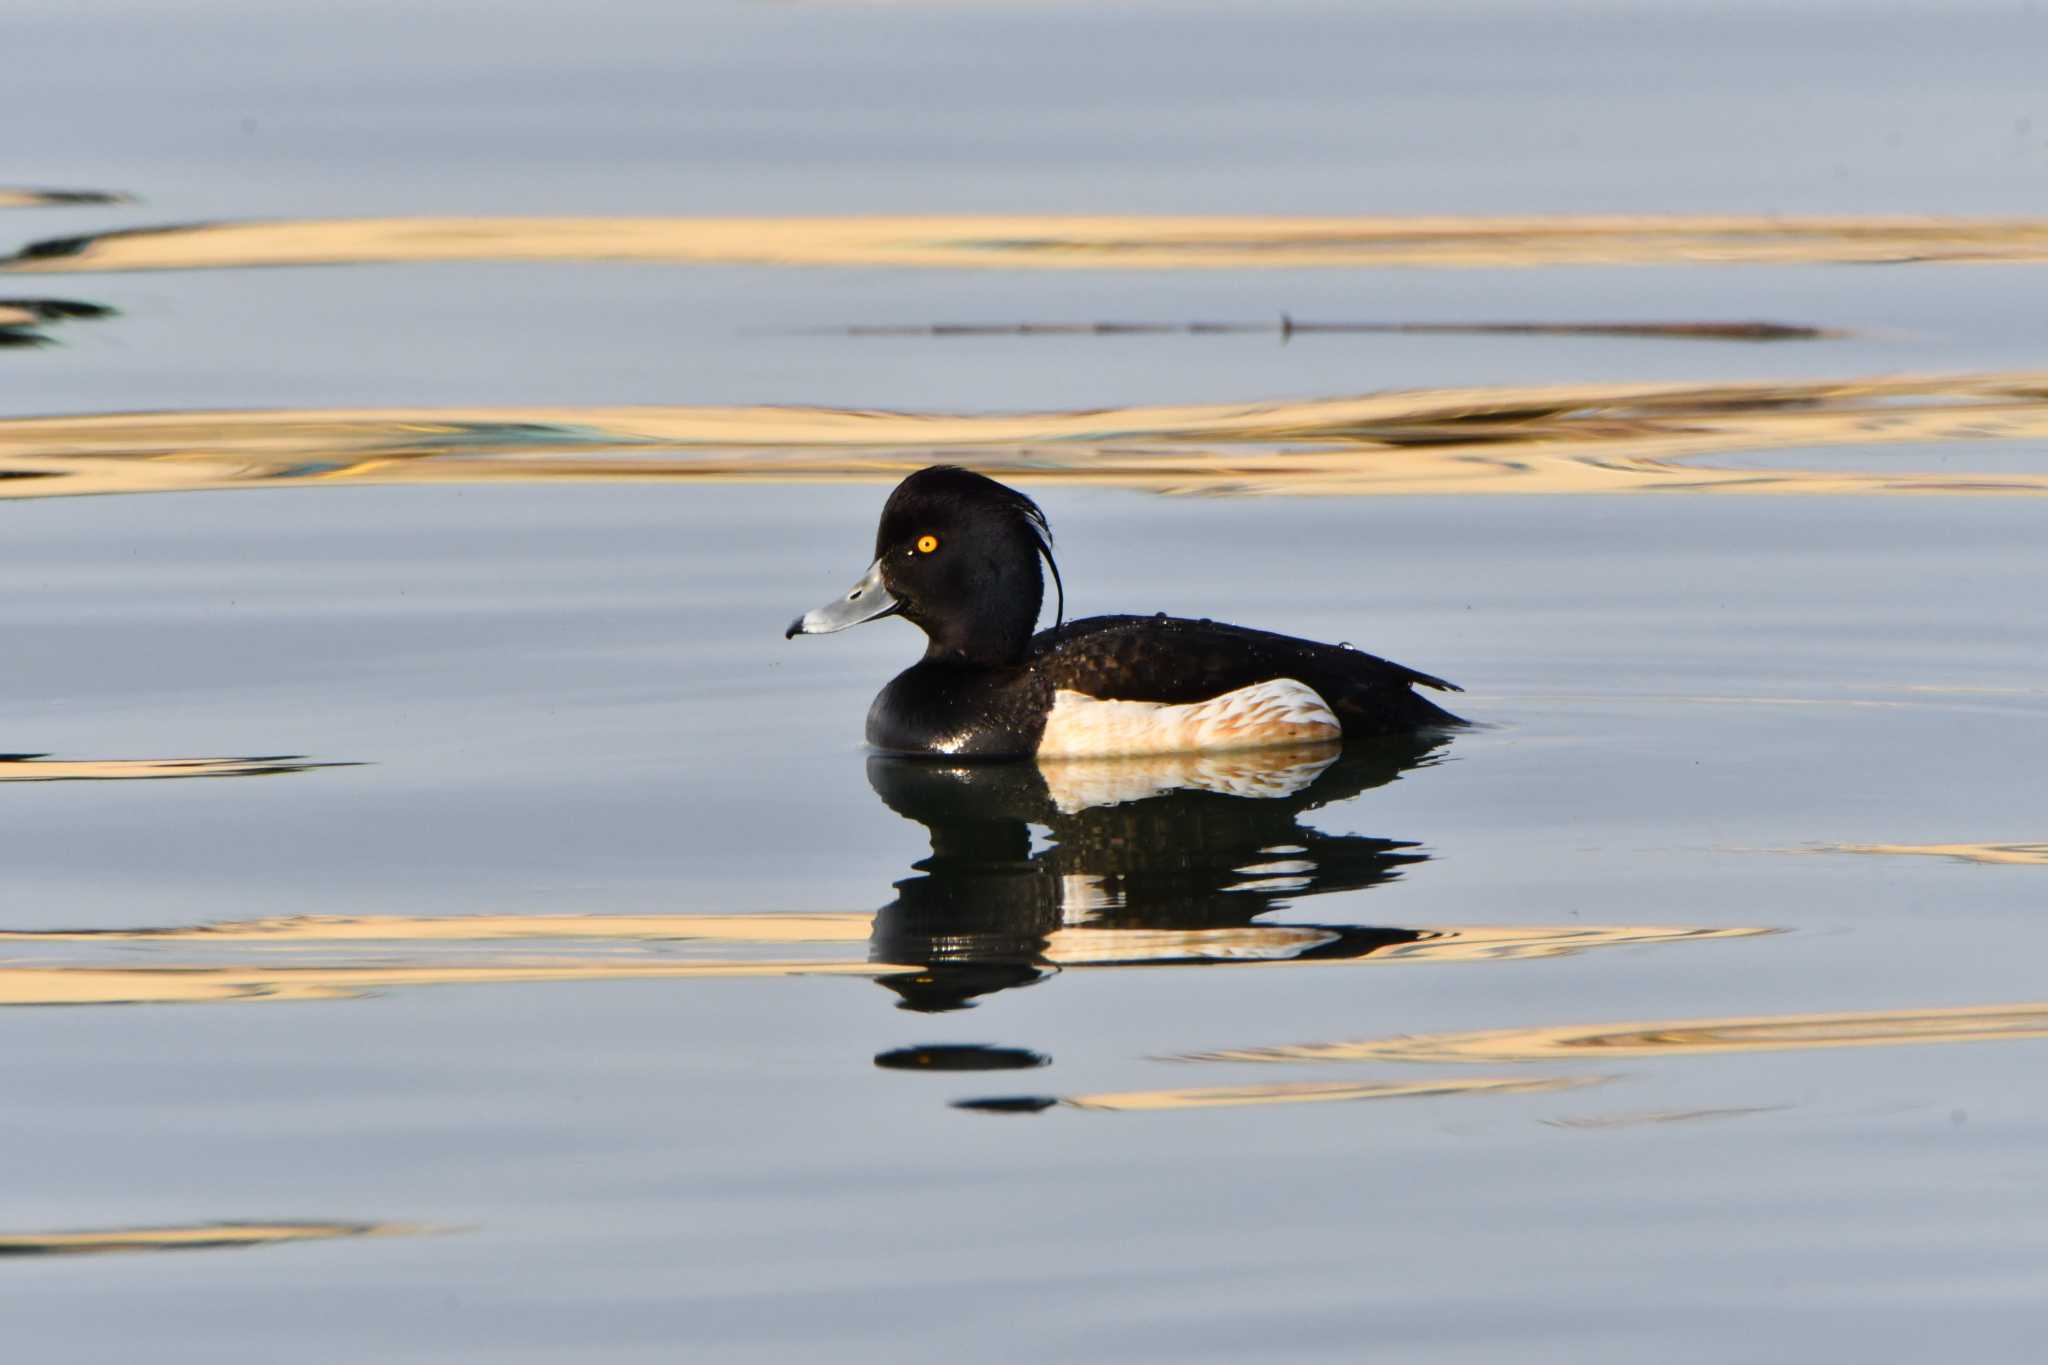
[1280, 711]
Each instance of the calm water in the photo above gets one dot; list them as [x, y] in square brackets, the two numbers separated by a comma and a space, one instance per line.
[519, 958]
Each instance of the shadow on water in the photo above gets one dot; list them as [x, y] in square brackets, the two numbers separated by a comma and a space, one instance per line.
[1143, 866]
[20, 197]
[1151, 863]
[22, 320]
[1034, 871]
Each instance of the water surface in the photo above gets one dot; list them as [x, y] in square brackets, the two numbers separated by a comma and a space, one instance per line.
[466, 400]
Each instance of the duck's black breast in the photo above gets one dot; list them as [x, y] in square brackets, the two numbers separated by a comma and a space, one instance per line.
[1174, 660]
[942, 707]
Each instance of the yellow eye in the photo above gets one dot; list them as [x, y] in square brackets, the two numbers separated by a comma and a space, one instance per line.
[926, 544]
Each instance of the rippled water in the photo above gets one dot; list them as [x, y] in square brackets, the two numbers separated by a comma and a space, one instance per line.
[517, 956]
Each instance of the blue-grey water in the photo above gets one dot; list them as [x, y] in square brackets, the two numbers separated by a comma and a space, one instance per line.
[536, 969]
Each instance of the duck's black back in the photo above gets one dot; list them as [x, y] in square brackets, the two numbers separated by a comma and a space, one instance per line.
[1174, 660]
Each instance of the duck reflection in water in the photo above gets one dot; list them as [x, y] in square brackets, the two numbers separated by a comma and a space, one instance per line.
[1149, 861]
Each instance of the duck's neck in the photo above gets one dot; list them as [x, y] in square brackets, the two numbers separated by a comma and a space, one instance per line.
[980, 645]
[986, 639]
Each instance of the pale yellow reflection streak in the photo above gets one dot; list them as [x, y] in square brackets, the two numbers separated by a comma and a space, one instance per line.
[319, 929]
[1277, 944]
[26, 982]
[194, 1237]
[2015, 855]
[31, 769]
[1075, 945]
[1493, 943]
[192, 985]
[1581, 438]
[1315, 1092]
[1058, 243]
[1675, 1037]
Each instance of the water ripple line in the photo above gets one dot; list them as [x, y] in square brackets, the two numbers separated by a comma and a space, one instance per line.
[1043, 242]
[1588, 438]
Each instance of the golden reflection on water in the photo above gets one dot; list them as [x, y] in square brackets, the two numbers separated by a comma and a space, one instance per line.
[199, 985]
[1675, 1037]
[195, 1237]
[1153, 864]
[2012, 855]
[322, 929]
[1579, 438]
[1058, 243]
[24, 982]
[1154, 878]
[1073, 945]
[37, 768]
[1312, 1092]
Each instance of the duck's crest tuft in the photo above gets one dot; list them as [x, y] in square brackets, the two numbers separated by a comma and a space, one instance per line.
[952, 478]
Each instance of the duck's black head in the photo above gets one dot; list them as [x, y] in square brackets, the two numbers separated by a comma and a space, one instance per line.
[957, 553]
